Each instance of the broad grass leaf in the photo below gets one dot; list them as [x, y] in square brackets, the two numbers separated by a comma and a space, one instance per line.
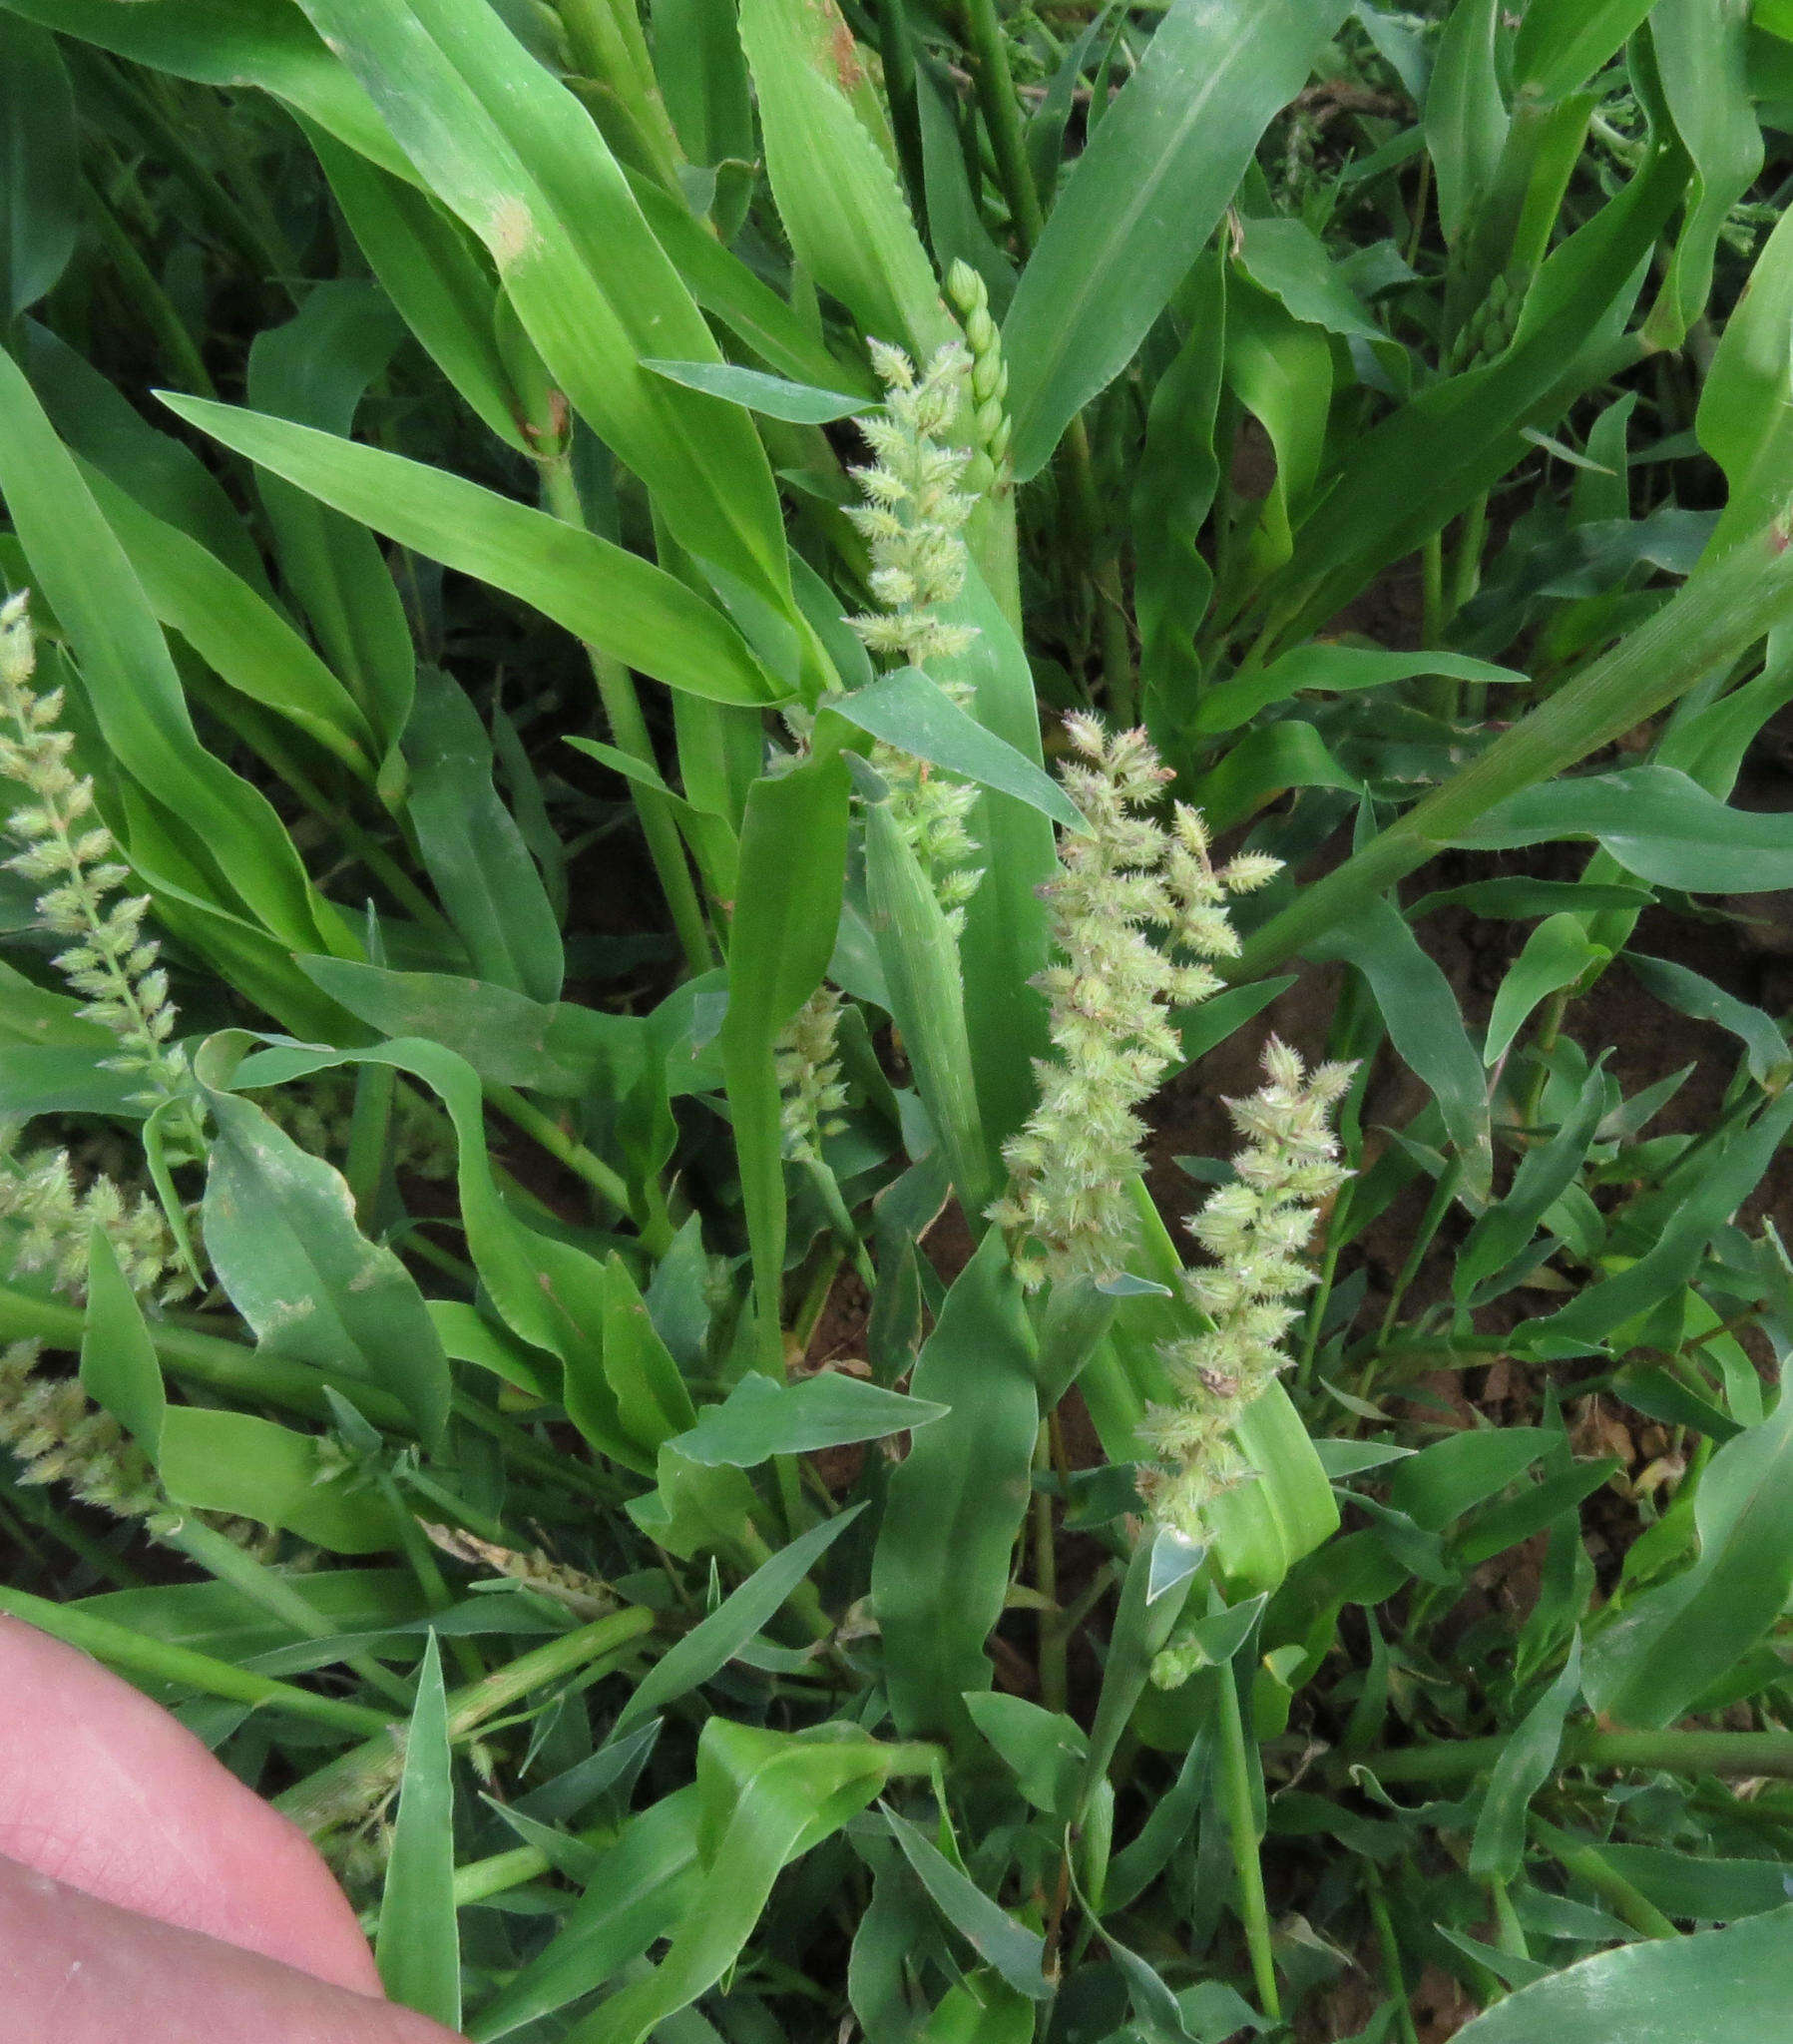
[1280, 370]
[506, 147]
[1526, 1761]
[605, 596]
[1656, 823]
[1004, 942]
[645, 1884]
[1328, 671]
[940, 1571]
[40, 196]
[119, 1369]
[760, 1419]
[1262, 764]
[794, 1797]
[1289, 261]
[1692, 993]
[778, 397]
[920, 957]
[1711, 1988]
[508, 1039]
[281, 1233]
[229, 42]
[652, 1405]
[1696, 1885]
[417, 1945]
[1465, 112]
[793, 849]
[484, 876]
[441, 283]
[911, 712]
[246, 642]
[714, 1641]
[251, 1468]
[1423, 1025]
[1702, 57]
[315, 370]
[1014, 1951]
[1661, 1651]
[834, 178]
[1556, 956]
[1144, 196]
[131, 682]
[1441, 1482]
[1544, 1172]
[1046, 1750]
[1746, 415]
[1560, 44]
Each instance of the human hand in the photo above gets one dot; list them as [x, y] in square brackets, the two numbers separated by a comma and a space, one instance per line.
[145, 1895]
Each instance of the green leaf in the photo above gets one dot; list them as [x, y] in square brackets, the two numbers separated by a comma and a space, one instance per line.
[652, 1405]
[1423, 1025]
[1046, 1750]
[612, 599]
[1289, 261]
[940, 1571]
[1330, 670]
[1454, 1475]
[1656, 823]
[1543, 1175]
[1465, 115]
[794, 1793]
[1527, 1761]
[1665, 1646]
[1692, 993]
[1144, 196]
[1563, 43]
[760, 1419]
[1712, 1988]
[130, 683]
[281, 1230]
[1003, 946]
[988, 1928]
[40, 194]
[836, 187]
[1556, 956]
[506, 147]
[315, 371]
[920, 957]
[119, 1369]
[483, 873]
[235, 1462]
[418, 1946]
[714, 1641]
[778, 397]
[909, 711]
[794, 852]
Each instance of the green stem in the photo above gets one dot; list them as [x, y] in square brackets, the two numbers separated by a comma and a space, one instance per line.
[1241, 1825]
[1721, 610]
[850, 1238]
[629, 729]
[1586, 1745]
[342, 1792]
[657, 1230]
[263, 1586]
[1393, 1972]
[159, 1661]
[1002, 117]
[607, 45]
[1587, 1863]
[1054, 1686]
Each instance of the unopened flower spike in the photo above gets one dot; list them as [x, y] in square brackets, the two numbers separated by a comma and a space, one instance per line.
[1138, 915]
[1255, 1231]
[913, 521]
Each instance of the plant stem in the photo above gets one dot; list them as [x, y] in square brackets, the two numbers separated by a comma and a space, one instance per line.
[228, 1563]
[629, 729]
[1242, 1823]
[1721, 610]
[1392, 1971]
[1052, 1643]
[342, 1792]
[1586, 1745]
[119, 1647]
[1587, 1863]
[1002, 117]
[656, 1230]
